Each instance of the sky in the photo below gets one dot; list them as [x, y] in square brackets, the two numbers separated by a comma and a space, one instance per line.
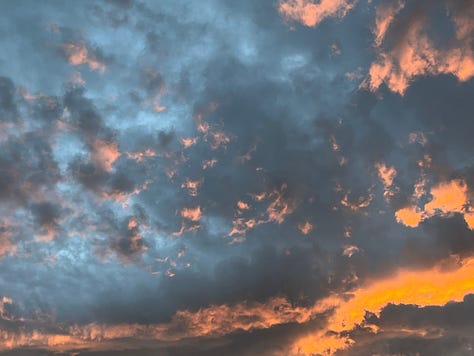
[220, 177]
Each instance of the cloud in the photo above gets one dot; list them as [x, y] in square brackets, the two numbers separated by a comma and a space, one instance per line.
[193, 214]
[422, 288]
[409, 216]
[7, 101]
[310, 13]
[197, 178]
[447, 199]
[104, 154]
[78, 54]
[413, 53]
[385, 15]
[7, 246]
[212, 321]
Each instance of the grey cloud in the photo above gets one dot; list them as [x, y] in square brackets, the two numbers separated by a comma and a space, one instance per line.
[7, 101]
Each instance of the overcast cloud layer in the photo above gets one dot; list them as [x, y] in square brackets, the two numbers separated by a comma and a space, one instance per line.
[220, 177]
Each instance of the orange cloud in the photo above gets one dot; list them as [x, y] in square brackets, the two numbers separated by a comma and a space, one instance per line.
[447, 198]
[310, 13]
[193, 214]
[123, 198]
[305, 227]
[78, 54]
[104, 154]
[349, 250]
[240, 226]
[361, 203]
[212, 321]
[336, 148]
[132, 223]
[242, 205]
[415, 54]
[214, 137]
[140, 156]
[217, 139]
[409, 216]
[259, 197]
[385, 14]
[431, 287]
[201, 125]
[188, 142]
[6, 245]
[387, 174]
[469, 218]
[192, 186]
[280, 207]
[209, 163]
[159, 108]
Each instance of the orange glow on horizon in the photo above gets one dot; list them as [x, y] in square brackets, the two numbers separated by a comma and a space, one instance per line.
[432, 287]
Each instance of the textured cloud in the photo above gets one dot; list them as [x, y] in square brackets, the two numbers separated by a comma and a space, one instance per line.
[212, 321]
[311, 13]
[412, 52]
[213, 178]
[447, 198]
[421, 288]
[77, 54]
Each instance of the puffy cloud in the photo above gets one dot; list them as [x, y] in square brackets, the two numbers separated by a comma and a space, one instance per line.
[409, 216]
[310, 13]
[413, 53]
[104, 154]
[78, 54]
[447, 199]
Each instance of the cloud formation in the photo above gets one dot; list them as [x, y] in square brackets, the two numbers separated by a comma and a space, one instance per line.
[412, 52]
[311, 13]
[266, 177]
